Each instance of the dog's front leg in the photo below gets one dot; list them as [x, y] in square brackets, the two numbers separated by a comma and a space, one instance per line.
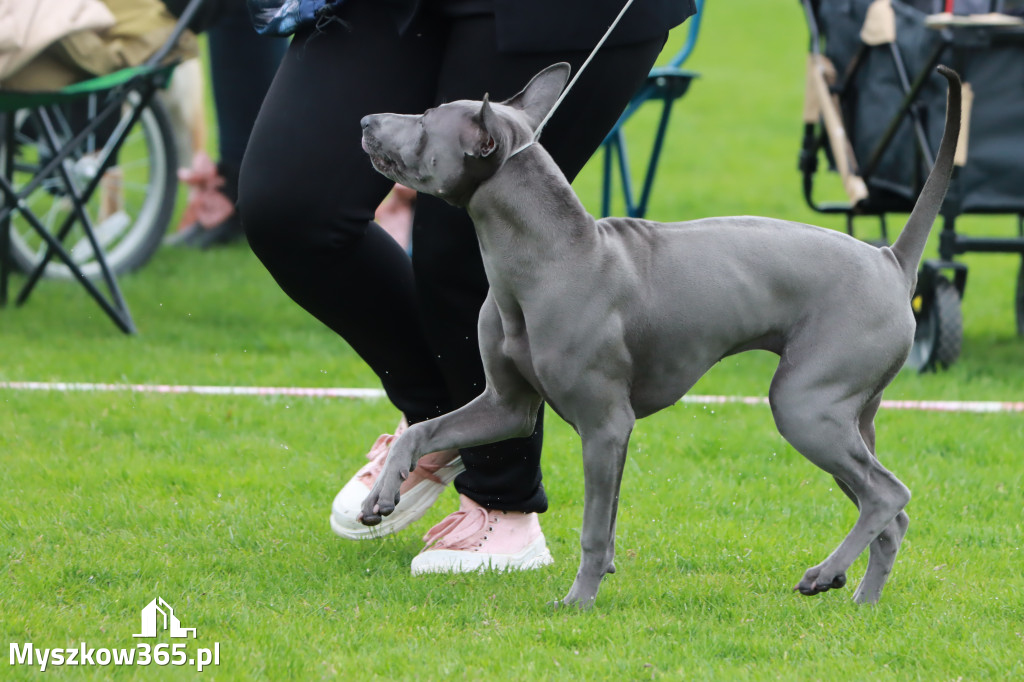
[604, 456]
[490, 418]
[506, 409]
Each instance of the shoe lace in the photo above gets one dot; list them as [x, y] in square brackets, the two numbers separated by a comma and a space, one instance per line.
[458, 530]
[378, 454]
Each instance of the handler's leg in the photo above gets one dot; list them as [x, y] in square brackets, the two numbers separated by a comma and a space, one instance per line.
[308, 192]
[307, 200]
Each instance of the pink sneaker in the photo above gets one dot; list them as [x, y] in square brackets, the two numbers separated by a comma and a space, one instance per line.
[426, 482]
[476, 539]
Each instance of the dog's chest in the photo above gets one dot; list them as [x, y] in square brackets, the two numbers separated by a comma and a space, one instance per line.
[516, 347]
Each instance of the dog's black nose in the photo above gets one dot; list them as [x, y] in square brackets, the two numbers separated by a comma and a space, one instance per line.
[365, 122]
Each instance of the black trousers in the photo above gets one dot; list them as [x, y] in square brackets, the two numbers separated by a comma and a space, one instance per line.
[242, 66]
[308, 195]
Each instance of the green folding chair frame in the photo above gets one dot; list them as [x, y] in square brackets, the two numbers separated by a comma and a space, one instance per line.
[43, 110]
[128, 90]
[664, 84]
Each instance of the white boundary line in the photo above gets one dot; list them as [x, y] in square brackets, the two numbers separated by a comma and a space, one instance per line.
[974, 406]
[69, 387]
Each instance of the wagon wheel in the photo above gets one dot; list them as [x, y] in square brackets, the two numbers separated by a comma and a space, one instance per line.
[1020, 299]
[940, 327]
[129, 211]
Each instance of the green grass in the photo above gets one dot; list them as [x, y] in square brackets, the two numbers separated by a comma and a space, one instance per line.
[219, 504]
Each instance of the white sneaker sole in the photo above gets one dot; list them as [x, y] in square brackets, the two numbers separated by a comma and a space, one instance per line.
[534, 555]
[411, 507]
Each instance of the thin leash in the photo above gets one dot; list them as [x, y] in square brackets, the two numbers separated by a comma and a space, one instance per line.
[586, 62]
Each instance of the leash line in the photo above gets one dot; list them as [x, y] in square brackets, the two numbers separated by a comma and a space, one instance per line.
[572, 82]
[586, 62]
[961, 406]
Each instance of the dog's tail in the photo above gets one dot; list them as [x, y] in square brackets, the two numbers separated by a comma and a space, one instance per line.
[909, 246]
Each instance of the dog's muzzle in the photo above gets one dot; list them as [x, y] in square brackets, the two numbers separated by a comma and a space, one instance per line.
[380, 160]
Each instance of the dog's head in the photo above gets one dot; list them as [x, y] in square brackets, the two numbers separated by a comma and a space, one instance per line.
[449, 150]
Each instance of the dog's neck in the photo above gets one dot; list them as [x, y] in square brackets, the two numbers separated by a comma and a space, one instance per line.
[528, 202]
[515, 205]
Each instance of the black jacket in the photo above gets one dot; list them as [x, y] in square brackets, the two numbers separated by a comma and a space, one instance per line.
[549, 25]
[541, 25]
[527, 25]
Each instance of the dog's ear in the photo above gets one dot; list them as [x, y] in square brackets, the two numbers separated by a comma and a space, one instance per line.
[541, 93]
[485, 144]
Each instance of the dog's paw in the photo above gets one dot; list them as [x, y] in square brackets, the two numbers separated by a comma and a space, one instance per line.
[582, 595]
[376, 507]
[568, 602]
[816, 582]
[384, 495]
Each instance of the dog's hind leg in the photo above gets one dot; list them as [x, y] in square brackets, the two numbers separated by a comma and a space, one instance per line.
[882, 551]
[604, 455]
[881, 554]
[822, 420]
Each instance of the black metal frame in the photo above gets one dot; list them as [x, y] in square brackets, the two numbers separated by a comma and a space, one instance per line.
[953, 40]
[45, 118]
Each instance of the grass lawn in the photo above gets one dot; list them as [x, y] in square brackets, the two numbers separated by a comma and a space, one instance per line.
[219, 504]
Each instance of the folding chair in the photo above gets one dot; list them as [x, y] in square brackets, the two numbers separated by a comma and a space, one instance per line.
[57, 147]
[664, 84]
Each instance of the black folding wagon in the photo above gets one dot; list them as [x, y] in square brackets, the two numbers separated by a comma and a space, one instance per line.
[874, 111]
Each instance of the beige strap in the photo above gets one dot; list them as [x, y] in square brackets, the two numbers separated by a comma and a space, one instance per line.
[812, 108]
[824, 102]
[991, 19]
[879, 24]
[967, 95]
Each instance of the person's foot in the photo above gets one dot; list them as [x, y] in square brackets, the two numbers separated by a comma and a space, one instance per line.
[209, 218]
[200, 237]
[425, 484]
[475, 539]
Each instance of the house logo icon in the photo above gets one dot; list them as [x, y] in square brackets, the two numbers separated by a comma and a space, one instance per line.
[159, 613]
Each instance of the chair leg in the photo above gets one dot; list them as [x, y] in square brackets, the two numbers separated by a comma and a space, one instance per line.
[652, 164]
[114, 305]
[6, 172]
[625, 174]
[116, 310]
[119, 310]
[5, 247]
[606, 186]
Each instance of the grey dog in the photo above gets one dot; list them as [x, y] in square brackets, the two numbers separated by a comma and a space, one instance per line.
[611, 320]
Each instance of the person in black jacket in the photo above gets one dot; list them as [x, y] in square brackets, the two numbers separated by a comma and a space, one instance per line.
[307, 199]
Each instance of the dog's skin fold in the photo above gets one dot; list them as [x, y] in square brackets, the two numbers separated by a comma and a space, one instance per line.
[611, 320]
